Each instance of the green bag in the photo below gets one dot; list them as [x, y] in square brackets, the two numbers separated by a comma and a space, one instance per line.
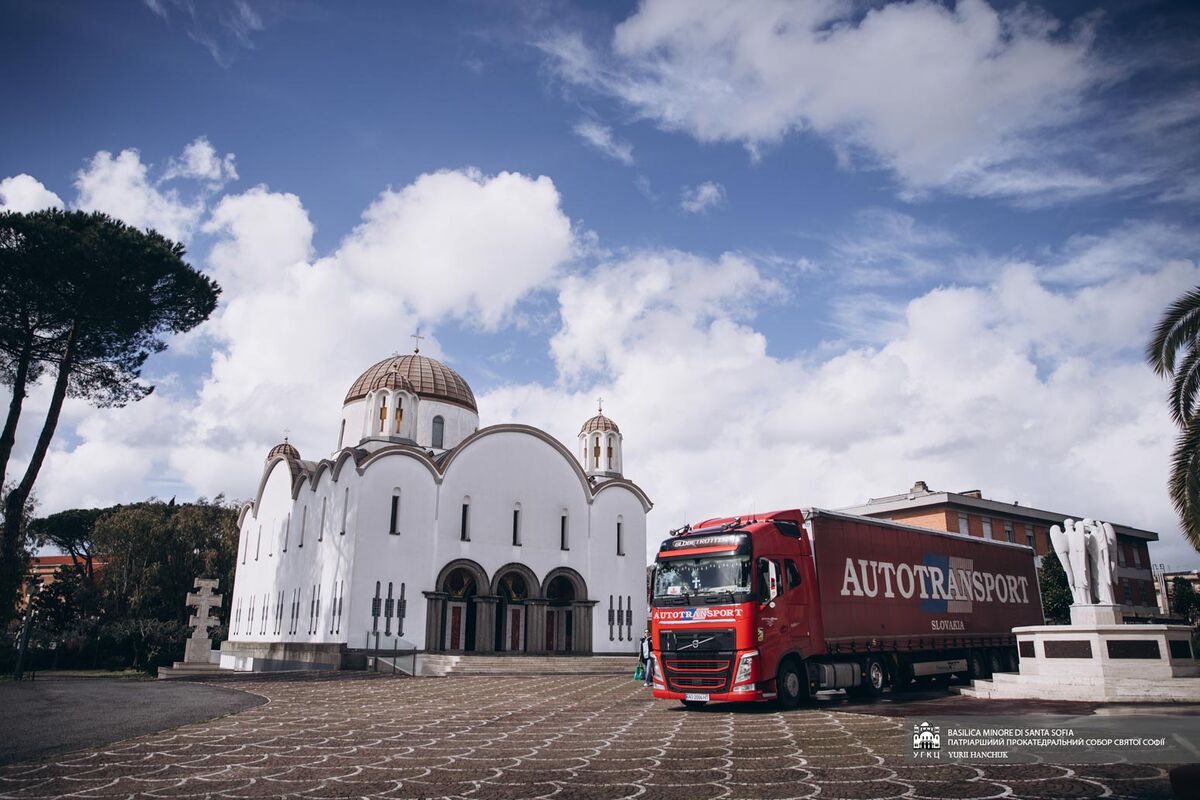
[639, 674]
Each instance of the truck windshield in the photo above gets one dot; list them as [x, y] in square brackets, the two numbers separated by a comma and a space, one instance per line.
[688, 578]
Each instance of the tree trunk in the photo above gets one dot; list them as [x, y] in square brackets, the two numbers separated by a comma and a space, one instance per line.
[14, 504]
[9, 436]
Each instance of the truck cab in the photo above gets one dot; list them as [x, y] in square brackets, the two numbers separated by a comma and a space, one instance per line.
[730, 600]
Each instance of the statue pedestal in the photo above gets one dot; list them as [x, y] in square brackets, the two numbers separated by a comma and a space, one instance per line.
[1099, 662]
[197, 650]
[1092, 615]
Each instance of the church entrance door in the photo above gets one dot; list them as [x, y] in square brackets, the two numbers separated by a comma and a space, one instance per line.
[559, 619]
[456, 626]
[461, 588]
[512, 590]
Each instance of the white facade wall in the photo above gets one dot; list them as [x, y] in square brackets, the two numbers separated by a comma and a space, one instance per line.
[495, 471]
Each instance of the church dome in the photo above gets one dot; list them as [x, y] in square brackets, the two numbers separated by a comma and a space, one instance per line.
[599, 423]
[425, 376]
[284, 449]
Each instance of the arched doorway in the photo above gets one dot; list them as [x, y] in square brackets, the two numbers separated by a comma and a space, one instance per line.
[457, 621]
[513, 586]
[568, 627]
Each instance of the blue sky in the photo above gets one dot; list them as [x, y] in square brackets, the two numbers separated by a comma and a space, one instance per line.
[872, 172]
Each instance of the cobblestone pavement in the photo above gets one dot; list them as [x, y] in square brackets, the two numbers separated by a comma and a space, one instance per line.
[361, 735]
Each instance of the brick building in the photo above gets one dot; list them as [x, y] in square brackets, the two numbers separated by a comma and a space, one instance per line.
[973, 514]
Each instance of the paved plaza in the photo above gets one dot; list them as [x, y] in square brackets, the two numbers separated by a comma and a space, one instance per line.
[363, 735]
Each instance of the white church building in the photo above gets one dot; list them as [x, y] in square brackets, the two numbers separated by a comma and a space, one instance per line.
[422, 529]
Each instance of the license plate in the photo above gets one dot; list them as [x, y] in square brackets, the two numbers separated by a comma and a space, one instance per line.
[703, 698]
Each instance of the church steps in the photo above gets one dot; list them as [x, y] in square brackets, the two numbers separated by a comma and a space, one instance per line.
[483, 665]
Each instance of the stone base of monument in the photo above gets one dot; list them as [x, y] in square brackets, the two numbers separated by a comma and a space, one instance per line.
[1097, 659]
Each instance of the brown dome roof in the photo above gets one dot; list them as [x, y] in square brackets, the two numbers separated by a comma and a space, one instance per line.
[284, 449]
[426, 377]
[599, 423]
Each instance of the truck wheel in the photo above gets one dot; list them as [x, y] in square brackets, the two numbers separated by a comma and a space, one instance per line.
[693, 705]
[979, 665]
[997, 659]
[791, 686]
[875, 680]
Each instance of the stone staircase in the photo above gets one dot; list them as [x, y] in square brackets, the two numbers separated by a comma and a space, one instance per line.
[527, 666]
[1011, 685]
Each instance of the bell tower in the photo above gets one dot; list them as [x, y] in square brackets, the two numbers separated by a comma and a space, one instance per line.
[600, 445]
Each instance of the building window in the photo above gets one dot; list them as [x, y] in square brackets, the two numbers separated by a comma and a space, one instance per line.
[1121, 554]
[464, 529]
[321, 529]
[439, 432]
[245, 544]
[987, 527]
[345, 510]
[963, 527]
[342, 435]
[1008, 532]
[1029, 535]
[303, 524]
[620, 536]
[516, 529]
[394, 524]
[382, 416]
[258, 543]
[287, 529]
[563, 542]
[399, 412]
[1137, 554]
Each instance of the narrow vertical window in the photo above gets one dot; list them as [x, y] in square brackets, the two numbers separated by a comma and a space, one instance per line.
[516, 528]
[394, 525]
[987, 527]
[245, 544]
[963, 527]
[563, 542]
[596, 452]
[303, 525]
[439, 432]
[342, 435]
[1008, 532]
[383, 415]
[258, 543]
[287, 529]
[345, 509]
[464, 530]
[399, 413]
[620, 536]
[321, 529]
[1029, 534]
[609, 456]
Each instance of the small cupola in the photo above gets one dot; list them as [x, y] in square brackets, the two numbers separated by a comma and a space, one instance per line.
[284, 449]
[600, 446]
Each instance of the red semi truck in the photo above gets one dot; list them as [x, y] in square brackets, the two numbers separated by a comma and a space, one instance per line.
[778, 606]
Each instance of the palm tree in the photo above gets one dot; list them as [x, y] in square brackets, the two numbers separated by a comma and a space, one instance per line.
[1175, 351]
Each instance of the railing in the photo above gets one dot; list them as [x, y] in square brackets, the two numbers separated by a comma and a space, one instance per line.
[395, 652]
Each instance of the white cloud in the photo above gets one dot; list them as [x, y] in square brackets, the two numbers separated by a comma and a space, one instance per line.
[201, 162]
[601, 137]
[941, 96]
[120, 186]
[461, 245]
[1024, 387]
[701, 197]
[292, 332]
[24, 193]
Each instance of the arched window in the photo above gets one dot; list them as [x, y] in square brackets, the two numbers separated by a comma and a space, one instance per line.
[394, 525]
[439, 432]
[399, 412]
[611, 440]
[383, 413]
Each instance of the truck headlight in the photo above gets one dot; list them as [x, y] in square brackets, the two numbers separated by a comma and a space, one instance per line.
[745, 672]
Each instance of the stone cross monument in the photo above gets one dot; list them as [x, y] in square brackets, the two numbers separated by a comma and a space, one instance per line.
[199, 644]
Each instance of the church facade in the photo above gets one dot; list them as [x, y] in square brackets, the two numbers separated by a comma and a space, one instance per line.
[422, 529]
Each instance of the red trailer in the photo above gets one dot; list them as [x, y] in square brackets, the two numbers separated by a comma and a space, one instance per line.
[777, 606]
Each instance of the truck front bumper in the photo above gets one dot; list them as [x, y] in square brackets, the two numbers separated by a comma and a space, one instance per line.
[723, 697]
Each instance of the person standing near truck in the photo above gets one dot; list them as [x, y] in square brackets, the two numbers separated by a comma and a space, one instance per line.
[644, 658]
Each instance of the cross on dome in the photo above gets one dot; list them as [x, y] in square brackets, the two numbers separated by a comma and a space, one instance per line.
[417, 337]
